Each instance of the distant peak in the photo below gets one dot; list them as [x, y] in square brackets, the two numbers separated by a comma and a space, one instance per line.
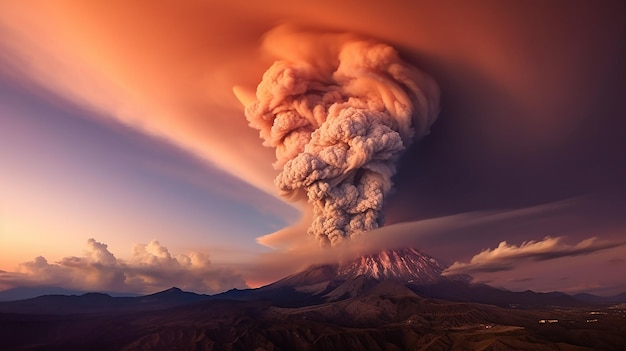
[96, 295]
[172, 290]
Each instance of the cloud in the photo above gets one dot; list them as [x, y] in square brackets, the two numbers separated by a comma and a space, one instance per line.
[506, 256]
[151, 268]
[339, 119]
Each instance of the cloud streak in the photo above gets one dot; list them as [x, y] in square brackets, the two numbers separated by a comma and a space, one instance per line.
[151, 268]
[125, 72]
[507, 256]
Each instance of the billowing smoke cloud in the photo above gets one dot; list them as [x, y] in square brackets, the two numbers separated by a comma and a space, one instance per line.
[340, 111]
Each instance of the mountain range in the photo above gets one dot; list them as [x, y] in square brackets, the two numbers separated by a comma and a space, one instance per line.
[390, 300]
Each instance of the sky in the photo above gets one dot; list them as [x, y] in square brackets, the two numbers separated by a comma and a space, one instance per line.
[127, 163]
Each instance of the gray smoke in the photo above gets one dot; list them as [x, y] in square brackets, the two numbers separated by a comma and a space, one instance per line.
[339, 127]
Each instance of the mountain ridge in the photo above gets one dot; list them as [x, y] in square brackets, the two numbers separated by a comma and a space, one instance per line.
[320, 308]
[321, 283]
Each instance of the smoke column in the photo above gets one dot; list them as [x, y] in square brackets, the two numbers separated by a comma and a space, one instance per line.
[340, 111]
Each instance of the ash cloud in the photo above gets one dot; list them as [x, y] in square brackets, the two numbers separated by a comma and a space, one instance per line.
[151, 267]
[340, 111]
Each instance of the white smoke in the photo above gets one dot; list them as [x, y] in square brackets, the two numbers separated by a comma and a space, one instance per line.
[339, 121]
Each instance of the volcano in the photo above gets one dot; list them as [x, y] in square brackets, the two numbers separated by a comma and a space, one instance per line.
[332, 282]
[408, 265]
[398, 271]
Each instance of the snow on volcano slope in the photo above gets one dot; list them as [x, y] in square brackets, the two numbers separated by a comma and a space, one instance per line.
[408, 265]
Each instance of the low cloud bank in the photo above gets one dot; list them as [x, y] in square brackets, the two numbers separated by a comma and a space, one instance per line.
[151, 268]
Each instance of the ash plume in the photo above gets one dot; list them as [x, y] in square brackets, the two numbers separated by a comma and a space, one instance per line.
[340, 111]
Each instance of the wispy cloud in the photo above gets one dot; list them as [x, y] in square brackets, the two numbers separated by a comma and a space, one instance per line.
[507, 256]
[189, 105]
[152, 267]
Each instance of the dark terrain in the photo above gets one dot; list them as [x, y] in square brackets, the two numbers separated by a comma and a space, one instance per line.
[395, 300]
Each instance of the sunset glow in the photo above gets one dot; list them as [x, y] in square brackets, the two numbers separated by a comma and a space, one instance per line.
[124, 147]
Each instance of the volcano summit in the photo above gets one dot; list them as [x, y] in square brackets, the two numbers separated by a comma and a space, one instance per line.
[409, 265]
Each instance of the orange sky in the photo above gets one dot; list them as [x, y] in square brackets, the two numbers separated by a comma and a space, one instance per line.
[519, 80]
[169, 69]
